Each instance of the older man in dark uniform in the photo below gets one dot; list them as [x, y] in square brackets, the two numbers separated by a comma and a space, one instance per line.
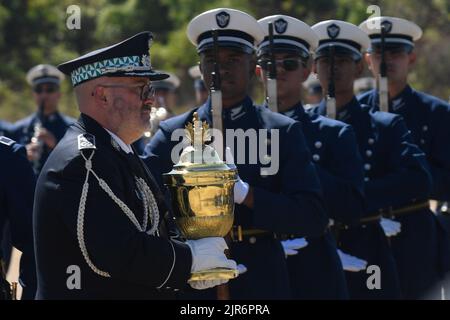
[99, 219]
[17, 182]
[41, 131]
[268, 204]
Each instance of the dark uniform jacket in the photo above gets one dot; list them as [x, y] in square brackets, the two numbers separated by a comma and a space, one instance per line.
[396, 174]
[316, 271]
[428, 120]
[288, 202]
[141, 266]
[17, 182]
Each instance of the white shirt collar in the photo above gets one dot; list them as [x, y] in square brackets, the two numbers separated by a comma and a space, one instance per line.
[125, 147]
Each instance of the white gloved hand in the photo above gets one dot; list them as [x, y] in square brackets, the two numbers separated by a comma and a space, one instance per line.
[241, 269]
[351, 263]
[208, 253]
[292, 246]
[240, 187]
[390, 227]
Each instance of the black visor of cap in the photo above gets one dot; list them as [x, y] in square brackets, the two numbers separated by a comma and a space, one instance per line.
[283, 44]
[394, 42]
[284, 49]
[391, 46]
[341, 47]
[163, 85]
[235, 39]
[45, 80]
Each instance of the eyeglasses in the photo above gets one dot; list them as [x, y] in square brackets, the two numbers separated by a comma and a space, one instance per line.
[41, 89]
[289, 64]
[146, 92]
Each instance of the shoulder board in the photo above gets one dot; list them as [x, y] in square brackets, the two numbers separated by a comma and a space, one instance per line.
[6, 141]
[86, 141]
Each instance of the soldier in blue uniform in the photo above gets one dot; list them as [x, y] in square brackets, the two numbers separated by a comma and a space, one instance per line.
[428, 118]
[396, 174]
[41, 131]
[99, 217]
[285, 201]
[316, 271]
[17, 182]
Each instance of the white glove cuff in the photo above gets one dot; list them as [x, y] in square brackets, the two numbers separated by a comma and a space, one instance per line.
[240, 191]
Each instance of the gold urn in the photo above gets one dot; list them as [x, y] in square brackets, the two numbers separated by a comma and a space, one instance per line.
[201, 188]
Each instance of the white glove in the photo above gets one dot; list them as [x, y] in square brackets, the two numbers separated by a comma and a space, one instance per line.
[351, 263]
[208, 253]
[240, 187]
[390, 227]
[241, 269]
[291, 247]
[240, 191]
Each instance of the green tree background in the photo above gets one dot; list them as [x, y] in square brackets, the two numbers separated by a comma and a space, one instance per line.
[34, 31]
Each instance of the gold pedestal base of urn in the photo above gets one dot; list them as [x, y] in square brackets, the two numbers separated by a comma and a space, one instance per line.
[214, 274]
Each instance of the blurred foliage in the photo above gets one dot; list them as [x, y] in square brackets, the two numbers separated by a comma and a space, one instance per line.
[35, 31]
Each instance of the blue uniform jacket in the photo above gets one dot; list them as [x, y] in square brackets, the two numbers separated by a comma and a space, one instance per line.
[396, 174]
[427, 118]
[316, 271]
[56, 123]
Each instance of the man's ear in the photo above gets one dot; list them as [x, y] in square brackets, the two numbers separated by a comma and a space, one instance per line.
[368, 60]
[412, 58]
[253, 65]
[99, 95]
[359, 68]
[258, 72]
[307, 69]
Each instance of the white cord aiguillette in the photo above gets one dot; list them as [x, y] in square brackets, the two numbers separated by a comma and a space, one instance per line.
[148, 201]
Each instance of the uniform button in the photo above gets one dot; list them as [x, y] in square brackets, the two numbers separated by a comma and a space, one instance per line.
[316, 157]
[318, 144]
[369, 153]
[425, 128]
[366, 179]
[268, 142]
[422, 141]
[252, 240]
[267, 158]
[371, 141]
[367, 167]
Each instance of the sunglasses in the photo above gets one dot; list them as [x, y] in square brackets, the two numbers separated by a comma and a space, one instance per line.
[41, 89]
[146, 90]
[289, 64]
